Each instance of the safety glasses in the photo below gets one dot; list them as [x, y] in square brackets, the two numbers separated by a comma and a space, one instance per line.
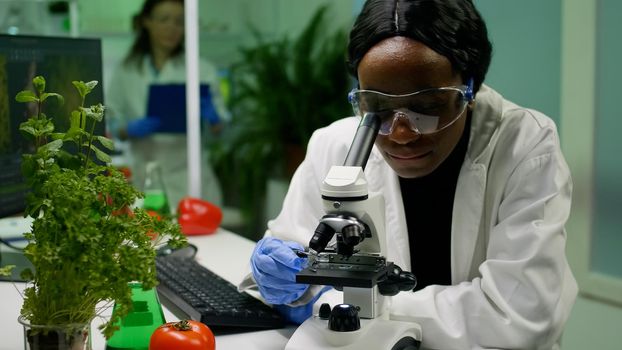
[426, 111]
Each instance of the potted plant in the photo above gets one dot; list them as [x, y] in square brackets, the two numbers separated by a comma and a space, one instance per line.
[86, 244]
[282, 91]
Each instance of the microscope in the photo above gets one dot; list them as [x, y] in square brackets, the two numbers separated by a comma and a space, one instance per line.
[347, 251]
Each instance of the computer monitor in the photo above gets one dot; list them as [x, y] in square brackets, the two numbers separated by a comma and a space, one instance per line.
[60, 60]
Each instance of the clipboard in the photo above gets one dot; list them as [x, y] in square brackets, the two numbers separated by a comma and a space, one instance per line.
[167, 102]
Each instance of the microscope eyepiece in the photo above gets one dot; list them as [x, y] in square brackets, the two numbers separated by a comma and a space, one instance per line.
[363, 141]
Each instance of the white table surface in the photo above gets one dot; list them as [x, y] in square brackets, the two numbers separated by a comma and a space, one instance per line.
[223, 252]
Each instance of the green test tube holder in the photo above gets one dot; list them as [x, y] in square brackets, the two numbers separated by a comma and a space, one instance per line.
[136, 328]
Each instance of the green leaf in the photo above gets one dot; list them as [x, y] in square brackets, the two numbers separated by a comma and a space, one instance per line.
[81, 87]
[34, 206]
[91, 85]
[68, 161]
[46, 126]
[84, 88]
[26, 96]
[106, 142]
[59, 97]
[78, 118]
[39, 83]
[36, 127]
[58, 135]
[28, 129]
[52, 146]
[6, 270]
[74, 119]
[95, 112]
[101, 155]
[83, 119]
[27, 274]
[29, 165]
[74, 134]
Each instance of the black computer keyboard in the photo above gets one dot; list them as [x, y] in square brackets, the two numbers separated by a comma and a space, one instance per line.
[191, 288]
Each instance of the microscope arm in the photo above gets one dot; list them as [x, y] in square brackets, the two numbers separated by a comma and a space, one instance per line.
[357, 156]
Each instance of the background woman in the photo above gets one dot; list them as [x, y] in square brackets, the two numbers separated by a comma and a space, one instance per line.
[157, 57]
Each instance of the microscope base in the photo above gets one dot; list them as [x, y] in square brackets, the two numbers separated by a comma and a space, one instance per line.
[374, 334]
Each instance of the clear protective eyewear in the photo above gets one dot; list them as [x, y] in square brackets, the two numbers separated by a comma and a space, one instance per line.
[427, 111]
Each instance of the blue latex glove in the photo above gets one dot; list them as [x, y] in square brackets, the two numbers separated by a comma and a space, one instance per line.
[208, 111]
[274, 265]
[299, 314]
[142, 127]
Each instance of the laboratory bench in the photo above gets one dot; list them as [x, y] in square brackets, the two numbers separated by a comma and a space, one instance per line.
[223, 252]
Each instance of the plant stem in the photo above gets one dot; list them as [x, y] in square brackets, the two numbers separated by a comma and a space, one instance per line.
[81, 128]
[88, 151]
[39, 111]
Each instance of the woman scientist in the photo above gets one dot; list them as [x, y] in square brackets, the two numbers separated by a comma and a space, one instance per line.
[477, 190]
[157, 57]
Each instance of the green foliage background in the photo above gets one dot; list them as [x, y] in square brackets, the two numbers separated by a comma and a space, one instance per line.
[283, 90]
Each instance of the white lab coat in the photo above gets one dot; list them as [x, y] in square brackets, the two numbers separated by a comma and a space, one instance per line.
[126, 100]
[511, 284]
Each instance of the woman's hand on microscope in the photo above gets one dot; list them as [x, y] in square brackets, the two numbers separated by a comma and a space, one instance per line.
[274, 265]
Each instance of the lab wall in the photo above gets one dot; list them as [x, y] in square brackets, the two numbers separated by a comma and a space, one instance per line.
[525, 66]
[225, 26]
[607, 245]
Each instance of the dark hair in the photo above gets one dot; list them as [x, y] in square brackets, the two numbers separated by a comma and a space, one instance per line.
[453, 28]
[142, 43]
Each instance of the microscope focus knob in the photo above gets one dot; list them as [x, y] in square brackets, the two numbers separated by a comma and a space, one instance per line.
[324, 311]
[344, 318]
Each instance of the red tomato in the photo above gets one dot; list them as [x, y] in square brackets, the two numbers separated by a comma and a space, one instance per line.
[182, 335]
[197, 216]
[155, 214]
[125, 211]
